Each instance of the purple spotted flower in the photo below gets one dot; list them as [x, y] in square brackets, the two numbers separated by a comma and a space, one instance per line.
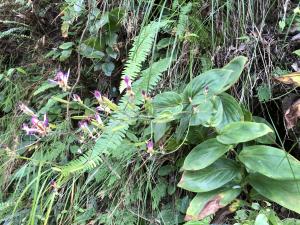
[37, 126]
[83, 125]
[61, 79]
[149, 146]
[77, 98]
[127, 82]
[98, 95]
[128, 86]
[98, 119]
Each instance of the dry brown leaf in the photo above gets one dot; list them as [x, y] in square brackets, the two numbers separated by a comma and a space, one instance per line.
[292, 114]
[292, 78]
[210, 208]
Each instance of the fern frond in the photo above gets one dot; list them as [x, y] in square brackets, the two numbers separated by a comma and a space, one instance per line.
[183, 19]
[12, 31]
[115, 131]
[142, 46]
[5, 205]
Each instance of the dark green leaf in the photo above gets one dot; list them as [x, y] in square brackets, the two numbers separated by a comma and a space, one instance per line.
[90, 52]
[232, 111]
[164, 42]
[168, 101]
[236, 66]
[208, 113]
[159, 130]
[205, 154]
[269, 161]
[210, 178]
[108, 68]
[269, 138]
[285, 193]
[238, 132]
[66, 45]
[206, 85]
[65, 54]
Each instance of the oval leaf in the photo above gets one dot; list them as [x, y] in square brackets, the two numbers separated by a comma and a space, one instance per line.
[205, 154]
[285, 193]
[271, 162]
[238, 132]
[236, 66]
[208, 113]
[205, 204]
[210, 178]
[269, 138]
[206, 85]
[232, 112]
[168, 102]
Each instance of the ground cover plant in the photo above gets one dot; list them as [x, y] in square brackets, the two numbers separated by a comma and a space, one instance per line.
[149, 112]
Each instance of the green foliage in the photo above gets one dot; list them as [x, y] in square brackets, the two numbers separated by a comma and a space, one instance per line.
[206, 169]
[121, 164]
[142, 46]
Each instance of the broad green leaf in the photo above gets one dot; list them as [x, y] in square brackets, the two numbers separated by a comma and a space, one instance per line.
[208, 112]
[111, 52]
[90, 52]
[108, 68]
[238, 132]
[168, 102]
[164, 42]
[232, 112]
[182, 128]
[269, 138]
[271, 162]
[111, 39]
[198, 134]
[65, 54]
[210, 178]
[206, 85]
[159, 130]
[285, 193]
[205, 204]
[66, 45]
[236, 66]
[261, 219]
[96, 43]
[205, 154]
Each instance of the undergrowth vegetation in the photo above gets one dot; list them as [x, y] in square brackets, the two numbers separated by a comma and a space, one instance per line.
[149, 112]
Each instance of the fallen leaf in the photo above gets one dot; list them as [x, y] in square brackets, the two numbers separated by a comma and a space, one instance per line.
[292, 78]
[210, 208]
[292, 114]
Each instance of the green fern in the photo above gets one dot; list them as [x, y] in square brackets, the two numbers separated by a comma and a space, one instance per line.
[183, 20]
[5, 205]
[141, 48]
[12, 31]
[114, 132]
